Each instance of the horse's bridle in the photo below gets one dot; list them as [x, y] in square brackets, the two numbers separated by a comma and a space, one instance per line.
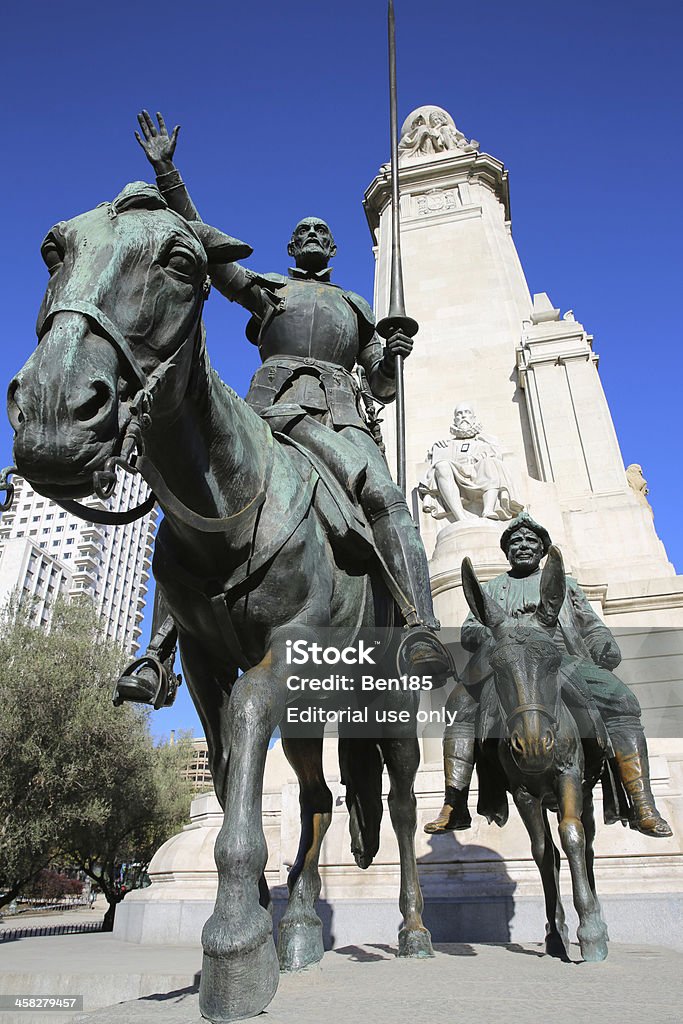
[132, 458]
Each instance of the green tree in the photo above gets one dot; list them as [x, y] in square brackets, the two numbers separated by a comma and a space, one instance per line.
[77, 776]
[146, 800]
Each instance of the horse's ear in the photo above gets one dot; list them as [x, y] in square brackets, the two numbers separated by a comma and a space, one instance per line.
[219, 248]
[553, 588]
[482, 606]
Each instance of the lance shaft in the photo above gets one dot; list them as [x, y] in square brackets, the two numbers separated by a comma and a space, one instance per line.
[396, 319]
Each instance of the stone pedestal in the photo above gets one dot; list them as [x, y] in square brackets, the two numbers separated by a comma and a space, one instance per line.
[479, 886]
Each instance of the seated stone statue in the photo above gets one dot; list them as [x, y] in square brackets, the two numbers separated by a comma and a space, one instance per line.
[467, 478]
[589, 654]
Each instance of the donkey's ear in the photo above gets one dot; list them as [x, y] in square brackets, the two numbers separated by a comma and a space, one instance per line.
[481, 605]
[220, 248]
[553, 588]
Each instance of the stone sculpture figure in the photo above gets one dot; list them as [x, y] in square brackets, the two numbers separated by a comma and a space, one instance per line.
[638, 483]
[467, 477]
[588, 652]
[431, 130]
[311, 334]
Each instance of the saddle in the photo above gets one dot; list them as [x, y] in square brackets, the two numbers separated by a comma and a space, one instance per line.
[346, 526]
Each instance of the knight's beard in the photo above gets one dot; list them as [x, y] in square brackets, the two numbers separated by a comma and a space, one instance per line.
[469, 429]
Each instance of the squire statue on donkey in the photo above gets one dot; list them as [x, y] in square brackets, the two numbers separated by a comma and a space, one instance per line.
[311, 335]
[546, 719]
[252, 544]
[589, 653]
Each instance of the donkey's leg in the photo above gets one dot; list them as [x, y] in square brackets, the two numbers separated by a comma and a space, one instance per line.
[300, 935]
[402, 758]
[546, 856]
[588, 821]
[240, 968]
[592, 931]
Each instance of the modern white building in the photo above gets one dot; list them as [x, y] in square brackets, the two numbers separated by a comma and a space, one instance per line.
[46, 552]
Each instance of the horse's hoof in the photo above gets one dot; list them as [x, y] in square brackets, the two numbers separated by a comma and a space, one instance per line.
[593, 942]
[300, 944]
[238, 986]
[414, 942]
[594, 952]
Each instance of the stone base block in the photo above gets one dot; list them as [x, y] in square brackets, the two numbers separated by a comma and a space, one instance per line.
[649, 919]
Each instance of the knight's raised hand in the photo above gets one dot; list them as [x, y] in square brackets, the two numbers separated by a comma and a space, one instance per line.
[158, 145]
[399, 344]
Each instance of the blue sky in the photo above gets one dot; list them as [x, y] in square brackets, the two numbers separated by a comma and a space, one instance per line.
[284, 113]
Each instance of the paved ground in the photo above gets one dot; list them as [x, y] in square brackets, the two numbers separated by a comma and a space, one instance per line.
[462, 985]
[468, 984]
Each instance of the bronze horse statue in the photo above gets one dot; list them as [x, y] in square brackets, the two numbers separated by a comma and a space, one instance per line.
[121, 377]
[530, 744]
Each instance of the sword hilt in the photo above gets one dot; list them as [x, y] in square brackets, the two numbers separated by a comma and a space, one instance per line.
[388, 325]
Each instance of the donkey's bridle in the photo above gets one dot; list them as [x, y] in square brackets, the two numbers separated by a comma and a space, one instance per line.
[518, 637]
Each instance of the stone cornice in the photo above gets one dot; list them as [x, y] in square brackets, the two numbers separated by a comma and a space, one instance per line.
[441, 171]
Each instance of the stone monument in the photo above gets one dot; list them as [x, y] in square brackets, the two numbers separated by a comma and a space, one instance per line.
[530, 373]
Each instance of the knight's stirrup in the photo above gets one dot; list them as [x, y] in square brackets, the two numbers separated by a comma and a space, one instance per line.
[420, 650]
[146, 681]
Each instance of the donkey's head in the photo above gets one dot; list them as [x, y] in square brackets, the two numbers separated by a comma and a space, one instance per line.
[525, 663]
[122, 308]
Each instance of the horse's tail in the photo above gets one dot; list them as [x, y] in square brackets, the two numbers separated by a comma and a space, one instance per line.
[361, 764]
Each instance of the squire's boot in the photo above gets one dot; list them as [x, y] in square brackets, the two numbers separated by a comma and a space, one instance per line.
[454, 815]
[458, 762]
[630, 749]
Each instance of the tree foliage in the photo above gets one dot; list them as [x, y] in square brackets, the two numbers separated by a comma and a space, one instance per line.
[77, 776]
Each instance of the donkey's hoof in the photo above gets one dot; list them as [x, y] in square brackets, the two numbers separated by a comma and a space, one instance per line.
[300, 944]
[415, 942]
[240, 985]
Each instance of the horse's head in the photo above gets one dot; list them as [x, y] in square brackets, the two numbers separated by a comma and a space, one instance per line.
[122, 307]
[525, 663]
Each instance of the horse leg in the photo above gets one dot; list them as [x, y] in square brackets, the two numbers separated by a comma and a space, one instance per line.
[300, 935]
[547, 858]
[240, 968]
[402, 758]
[592, 931]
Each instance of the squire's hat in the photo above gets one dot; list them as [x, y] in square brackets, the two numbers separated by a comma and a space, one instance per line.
[524, 519]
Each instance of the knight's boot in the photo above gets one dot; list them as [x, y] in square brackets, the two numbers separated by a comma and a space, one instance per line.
[401, 549]
[458, 762]
[151, 679]
[630, 749]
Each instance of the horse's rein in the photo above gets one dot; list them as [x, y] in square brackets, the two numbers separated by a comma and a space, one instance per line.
[132, 458]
